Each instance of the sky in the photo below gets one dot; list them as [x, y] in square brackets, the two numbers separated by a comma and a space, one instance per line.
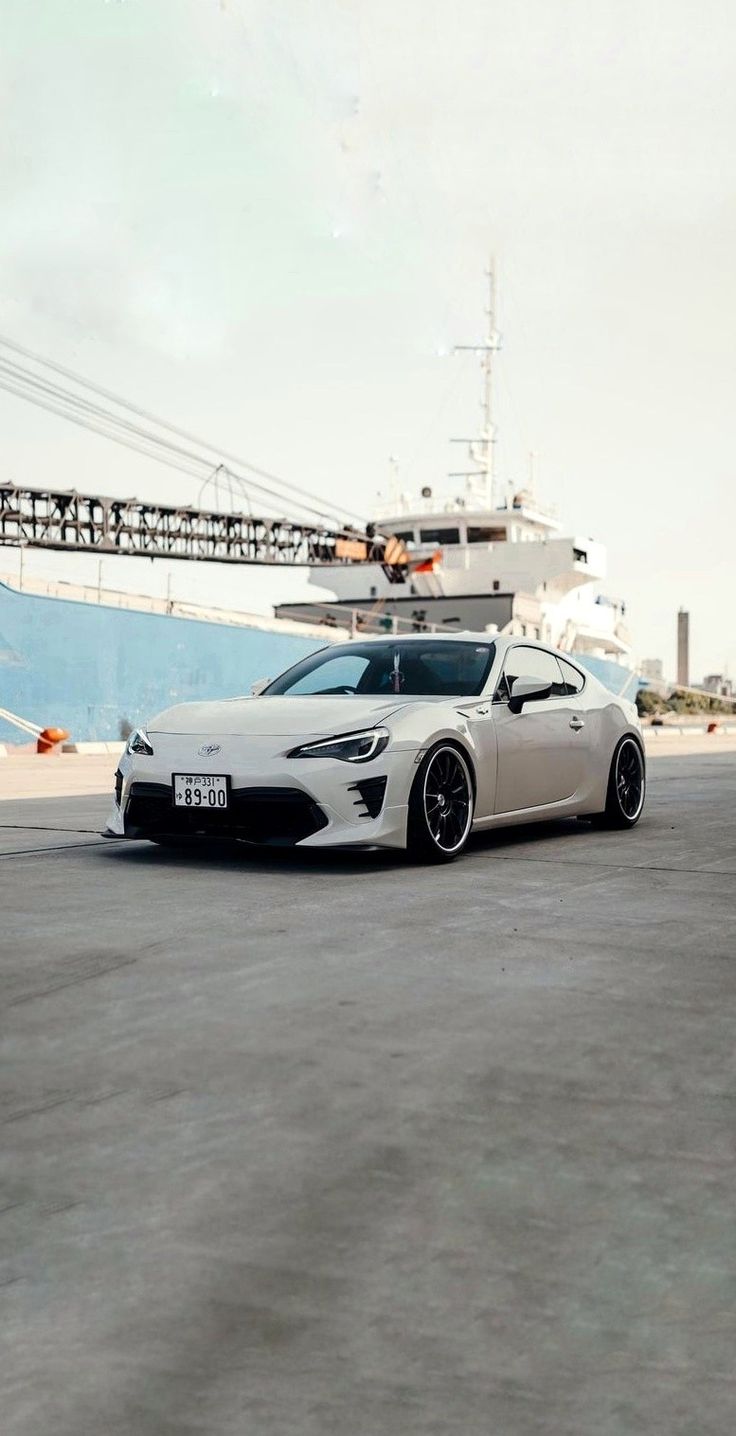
[270, 222]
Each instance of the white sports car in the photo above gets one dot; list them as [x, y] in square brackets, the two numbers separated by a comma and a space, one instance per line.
[399, 742]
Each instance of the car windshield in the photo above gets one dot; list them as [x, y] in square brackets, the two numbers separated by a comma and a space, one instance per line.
[426, 668]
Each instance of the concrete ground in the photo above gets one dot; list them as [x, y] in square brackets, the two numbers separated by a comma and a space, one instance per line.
[298, 1145]
[55, 775]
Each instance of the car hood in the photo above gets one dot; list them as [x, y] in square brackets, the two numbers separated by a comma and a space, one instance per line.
[275, 717]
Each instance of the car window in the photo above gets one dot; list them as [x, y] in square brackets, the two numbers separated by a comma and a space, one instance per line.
[572, 679]
[338, 672]
[427, 668]
[527, 663]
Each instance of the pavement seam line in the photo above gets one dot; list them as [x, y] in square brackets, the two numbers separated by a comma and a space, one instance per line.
[620, 867]
[43, 828]
[61, 848]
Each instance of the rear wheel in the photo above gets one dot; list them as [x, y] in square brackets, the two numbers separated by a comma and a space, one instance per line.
[440, 806]
[626, 787]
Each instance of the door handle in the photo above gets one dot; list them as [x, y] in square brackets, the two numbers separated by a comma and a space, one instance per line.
[577, 724]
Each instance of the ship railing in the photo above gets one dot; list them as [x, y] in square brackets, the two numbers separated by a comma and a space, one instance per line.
[330, 615]
[443, 502]
[362, 620]
[135, 602]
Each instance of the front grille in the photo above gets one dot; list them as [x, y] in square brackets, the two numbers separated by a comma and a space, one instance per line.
[276, 817]
[371, 795]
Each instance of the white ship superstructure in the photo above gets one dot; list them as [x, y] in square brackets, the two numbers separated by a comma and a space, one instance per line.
[507, 568]
[481, 563]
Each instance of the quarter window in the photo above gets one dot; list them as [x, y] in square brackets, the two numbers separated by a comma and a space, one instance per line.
[572, 679]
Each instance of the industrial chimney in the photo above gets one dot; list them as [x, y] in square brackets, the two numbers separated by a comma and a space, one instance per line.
[683, 648]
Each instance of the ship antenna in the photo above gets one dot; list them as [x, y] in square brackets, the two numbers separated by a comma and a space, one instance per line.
[491, 345]
[482, 449]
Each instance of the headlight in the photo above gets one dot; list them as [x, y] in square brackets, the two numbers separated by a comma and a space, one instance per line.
[140, 743]
[352, 748]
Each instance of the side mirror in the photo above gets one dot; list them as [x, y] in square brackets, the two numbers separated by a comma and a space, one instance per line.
[259, 685]
[525, 690]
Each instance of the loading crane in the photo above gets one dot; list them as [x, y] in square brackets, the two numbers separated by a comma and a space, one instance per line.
[96, 523]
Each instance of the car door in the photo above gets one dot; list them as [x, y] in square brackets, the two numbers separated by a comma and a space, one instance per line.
[541, 751]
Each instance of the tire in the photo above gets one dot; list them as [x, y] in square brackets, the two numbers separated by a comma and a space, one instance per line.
[441, 806]
[626, 787]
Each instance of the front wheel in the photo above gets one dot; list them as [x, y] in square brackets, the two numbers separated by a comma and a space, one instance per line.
[626, 787]
[440, 806]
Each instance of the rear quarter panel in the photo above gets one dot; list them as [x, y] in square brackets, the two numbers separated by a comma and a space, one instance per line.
[609, 719]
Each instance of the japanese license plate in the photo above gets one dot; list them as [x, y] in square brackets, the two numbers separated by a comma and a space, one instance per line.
[200, 790]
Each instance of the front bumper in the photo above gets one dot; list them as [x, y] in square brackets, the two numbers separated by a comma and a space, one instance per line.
[276, 817]
[301, 802]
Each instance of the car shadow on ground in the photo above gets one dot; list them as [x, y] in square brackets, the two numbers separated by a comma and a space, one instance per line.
[232, 856]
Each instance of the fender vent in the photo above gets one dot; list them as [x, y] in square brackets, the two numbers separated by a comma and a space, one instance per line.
[371, 793]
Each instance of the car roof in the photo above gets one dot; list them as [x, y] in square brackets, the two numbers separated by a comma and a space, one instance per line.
[467, 636]
[501, 640]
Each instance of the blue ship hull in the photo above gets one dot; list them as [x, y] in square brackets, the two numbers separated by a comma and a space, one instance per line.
[98, 671]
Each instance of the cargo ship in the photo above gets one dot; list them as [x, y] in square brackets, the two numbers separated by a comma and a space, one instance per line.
[484, 556]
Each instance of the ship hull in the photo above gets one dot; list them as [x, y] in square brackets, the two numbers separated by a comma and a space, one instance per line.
[98, 671]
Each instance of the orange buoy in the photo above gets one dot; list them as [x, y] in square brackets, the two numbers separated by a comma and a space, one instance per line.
[48, 739]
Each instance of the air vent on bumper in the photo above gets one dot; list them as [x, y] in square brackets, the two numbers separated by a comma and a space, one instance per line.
[372, 792]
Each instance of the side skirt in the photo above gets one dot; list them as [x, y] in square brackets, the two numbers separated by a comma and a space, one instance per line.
[567, 808]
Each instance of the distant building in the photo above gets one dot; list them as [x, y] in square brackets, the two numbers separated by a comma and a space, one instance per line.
[719, 684]
[653, 669]
[683, 648]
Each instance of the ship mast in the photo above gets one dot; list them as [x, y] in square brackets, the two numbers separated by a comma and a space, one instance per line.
[482, 447]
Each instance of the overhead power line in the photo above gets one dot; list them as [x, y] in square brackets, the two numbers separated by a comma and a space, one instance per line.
[31, 384]
[22, 393]
[57, 400]
[45, 394]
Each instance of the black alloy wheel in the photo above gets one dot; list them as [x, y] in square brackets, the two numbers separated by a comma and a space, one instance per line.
[441, 806]
[630, 779]
[626, 786]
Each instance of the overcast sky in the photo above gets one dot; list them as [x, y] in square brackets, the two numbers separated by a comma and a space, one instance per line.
[270, 221]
